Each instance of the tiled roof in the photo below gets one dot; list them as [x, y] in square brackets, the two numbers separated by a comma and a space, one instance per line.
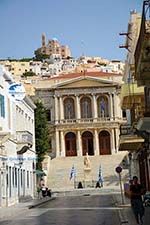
[90, 74]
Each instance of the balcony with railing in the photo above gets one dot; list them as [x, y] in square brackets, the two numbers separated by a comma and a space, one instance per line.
[131, 95]
[142, 52]
[129, 138]
[89, 120]
[24, 137]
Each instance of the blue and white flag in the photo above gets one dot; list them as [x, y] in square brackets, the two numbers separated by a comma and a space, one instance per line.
[72, 172]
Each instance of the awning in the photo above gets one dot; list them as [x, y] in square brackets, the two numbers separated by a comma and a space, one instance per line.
[130, 144]
[40, 173]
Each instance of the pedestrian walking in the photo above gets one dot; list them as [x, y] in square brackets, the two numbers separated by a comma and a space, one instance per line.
[136, 192]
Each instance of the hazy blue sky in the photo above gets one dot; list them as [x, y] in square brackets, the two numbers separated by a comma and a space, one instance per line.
[89, 26]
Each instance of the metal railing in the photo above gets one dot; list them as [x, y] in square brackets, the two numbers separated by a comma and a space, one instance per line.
[88, 120]
[128, 129]
[24, 137]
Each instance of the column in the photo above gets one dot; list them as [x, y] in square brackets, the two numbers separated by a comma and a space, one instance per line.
[96, 143]
[111, 106]
[94, 107]
[78, 110]
[117, 138]
[57, 144]
[61, 109]
[113, 151]
[56, 110]
[79, 144]
[117, 108]
[62, 147]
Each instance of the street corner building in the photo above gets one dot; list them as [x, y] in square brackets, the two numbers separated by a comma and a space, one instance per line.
[17, 147]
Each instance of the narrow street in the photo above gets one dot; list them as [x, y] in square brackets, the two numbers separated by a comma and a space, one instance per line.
[89, 210]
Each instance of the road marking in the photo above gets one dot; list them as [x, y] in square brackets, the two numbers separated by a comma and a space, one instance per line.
[84, 208]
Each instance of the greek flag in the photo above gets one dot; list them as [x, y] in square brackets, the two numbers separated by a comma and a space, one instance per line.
[72, 172]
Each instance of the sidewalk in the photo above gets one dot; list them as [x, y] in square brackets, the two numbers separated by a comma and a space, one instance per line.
[11, 211]
[126, 214]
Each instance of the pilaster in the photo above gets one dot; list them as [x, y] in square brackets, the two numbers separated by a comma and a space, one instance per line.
[57, 144]
[62, 143]
[61, 108]
[96, 143]
[79, 144]
[94, 107]
[78, 110]
[56, 109]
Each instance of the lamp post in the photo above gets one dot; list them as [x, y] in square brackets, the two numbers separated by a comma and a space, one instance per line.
[130, 165]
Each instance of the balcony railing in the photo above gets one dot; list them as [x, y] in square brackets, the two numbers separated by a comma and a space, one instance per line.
[24, 137]
[128, 129]
[89, 120]
[144, 35]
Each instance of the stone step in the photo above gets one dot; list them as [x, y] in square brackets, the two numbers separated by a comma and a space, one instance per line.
[59, 171]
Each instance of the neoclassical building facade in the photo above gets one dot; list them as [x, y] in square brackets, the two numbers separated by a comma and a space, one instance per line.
[84, 116]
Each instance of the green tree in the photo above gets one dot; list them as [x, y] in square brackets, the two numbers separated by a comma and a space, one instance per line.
[39, 56]
[41, 133]
[28, 74]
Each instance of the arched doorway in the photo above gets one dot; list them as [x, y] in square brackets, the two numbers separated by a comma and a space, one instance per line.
[87, 143]
[70, 144]
[104, 143]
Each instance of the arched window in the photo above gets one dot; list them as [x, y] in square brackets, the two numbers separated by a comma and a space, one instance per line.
[102, 105]
[86, 109]
[69, 112]
[70, 143]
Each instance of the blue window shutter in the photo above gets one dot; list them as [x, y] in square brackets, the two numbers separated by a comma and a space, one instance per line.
[2, 106]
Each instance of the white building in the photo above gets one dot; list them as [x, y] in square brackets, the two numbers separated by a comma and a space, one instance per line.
[75, 112]
[17, 147]
[35, 67]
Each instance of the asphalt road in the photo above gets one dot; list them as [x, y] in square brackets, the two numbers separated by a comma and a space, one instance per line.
[80, 210]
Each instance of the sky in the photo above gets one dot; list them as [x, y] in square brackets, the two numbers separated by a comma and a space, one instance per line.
[89, 27]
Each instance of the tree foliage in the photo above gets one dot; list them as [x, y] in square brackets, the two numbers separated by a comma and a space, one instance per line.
[28, 74]
[41, 133]
[39, 56]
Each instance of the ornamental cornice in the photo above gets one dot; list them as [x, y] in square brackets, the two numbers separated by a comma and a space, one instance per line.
[106, 125]
[81, 91]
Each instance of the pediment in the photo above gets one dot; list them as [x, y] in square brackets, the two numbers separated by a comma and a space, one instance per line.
[86, 82]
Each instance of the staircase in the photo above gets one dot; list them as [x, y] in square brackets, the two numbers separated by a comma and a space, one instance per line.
[58, 176]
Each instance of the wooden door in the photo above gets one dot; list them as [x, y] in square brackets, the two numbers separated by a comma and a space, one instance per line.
[104, 143]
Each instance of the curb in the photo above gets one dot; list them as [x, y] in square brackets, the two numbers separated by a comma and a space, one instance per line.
[122, 217]
[41, 203]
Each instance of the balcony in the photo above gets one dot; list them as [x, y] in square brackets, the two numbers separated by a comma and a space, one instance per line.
[131, 94]
[129, 140]
[89, 120]
[24, 137]
[142, 52]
